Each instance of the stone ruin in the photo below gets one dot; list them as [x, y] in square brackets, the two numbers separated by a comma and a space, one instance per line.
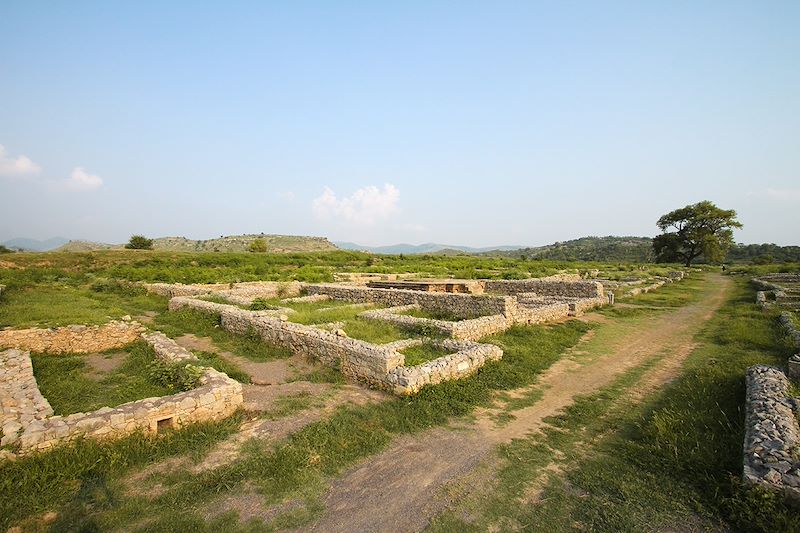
[27, 420]
[479, 308]
[772, 438]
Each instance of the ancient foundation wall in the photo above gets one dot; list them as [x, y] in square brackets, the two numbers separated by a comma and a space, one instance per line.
[72, 339]
[469, 329]
[468, 358]
[460, 305]
[27, 423]
[378, 365]
[544, 287]
[355, 358]
[772, 434]
[240, 293]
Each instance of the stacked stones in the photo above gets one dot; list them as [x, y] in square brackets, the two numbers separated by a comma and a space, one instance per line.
[469, 357]
[785, 296]
[459, 305]
[21, 403]
[546, 287]
[72, 339]
[238, 293]
[27, 420]
[772, 436]
[378, 365]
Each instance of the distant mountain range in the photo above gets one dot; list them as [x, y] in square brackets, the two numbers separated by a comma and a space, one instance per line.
[427, 248]
[35, 245]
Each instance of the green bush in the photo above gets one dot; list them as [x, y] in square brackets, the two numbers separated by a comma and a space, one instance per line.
[139, 242]
[258, 246]
[175, 376]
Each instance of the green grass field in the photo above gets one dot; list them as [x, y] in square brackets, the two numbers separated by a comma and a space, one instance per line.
[670, 462]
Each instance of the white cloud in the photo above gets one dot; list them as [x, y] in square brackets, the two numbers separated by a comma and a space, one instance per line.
[20, 166]
[366, 206]
[80, 180]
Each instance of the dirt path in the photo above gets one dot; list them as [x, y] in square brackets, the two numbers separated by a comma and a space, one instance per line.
[402, 488]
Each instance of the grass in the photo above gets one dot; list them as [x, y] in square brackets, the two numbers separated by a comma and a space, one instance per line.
[188, 321]
[288, 405]
[422, 353]
[375, 331]
[78, 479]
[296, 465]
[54, 306]
[679, 293]
[217, 362]
[63, 381]
[672, 462]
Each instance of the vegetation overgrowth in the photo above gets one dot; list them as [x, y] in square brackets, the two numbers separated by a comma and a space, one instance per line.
[70, 385]
[671, 462]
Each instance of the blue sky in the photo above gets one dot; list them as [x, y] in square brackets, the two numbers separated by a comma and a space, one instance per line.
[472, 123]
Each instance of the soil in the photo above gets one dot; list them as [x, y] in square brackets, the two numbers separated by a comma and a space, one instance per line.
[266, 373]
[402, 488]
[100, 365]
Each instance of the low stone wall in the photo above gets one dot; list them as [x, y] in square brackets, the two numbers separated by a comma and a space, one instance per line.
[460, 305]
[467, 359]
[311, 298]
[217, 397]
[378, 365]
[765, 285]
[241, 293]
[20, 400]
[470, 329]
[787, 324]
[644, 290]
[772, 434]
[355, 358]
[545, 287]
[72, 339]
[28, 425]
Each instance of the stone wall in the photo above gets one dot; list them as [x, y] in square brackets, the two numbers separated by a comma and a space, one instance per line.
[20, 400]
[28, 424]
[355, 358]
[469, 329]
[459, 305]
[240, 293]
[545, 287]
[378, 365]
[772, 434]
[468, 358]
[72, 339]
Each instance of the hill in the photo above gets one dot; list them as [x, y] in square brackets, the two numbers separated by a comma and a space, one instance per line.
[232, 243]
[86, 246]
[610, 248]
[34, 245]
[426, 248]
[241, 243]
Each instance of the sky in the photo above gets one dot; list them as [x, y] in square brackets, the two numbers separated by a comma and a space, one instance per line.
[467, 123]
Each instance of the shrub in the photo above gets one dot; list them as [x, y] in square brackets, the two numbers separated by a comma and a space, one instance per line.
[259, 304]
[139, 242]
[175, 376]
[258, 246]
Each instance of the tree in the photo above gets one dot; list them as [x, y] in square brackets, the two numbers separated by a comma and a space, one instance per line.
[701, 229]
[258, 246]
[139, 242]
